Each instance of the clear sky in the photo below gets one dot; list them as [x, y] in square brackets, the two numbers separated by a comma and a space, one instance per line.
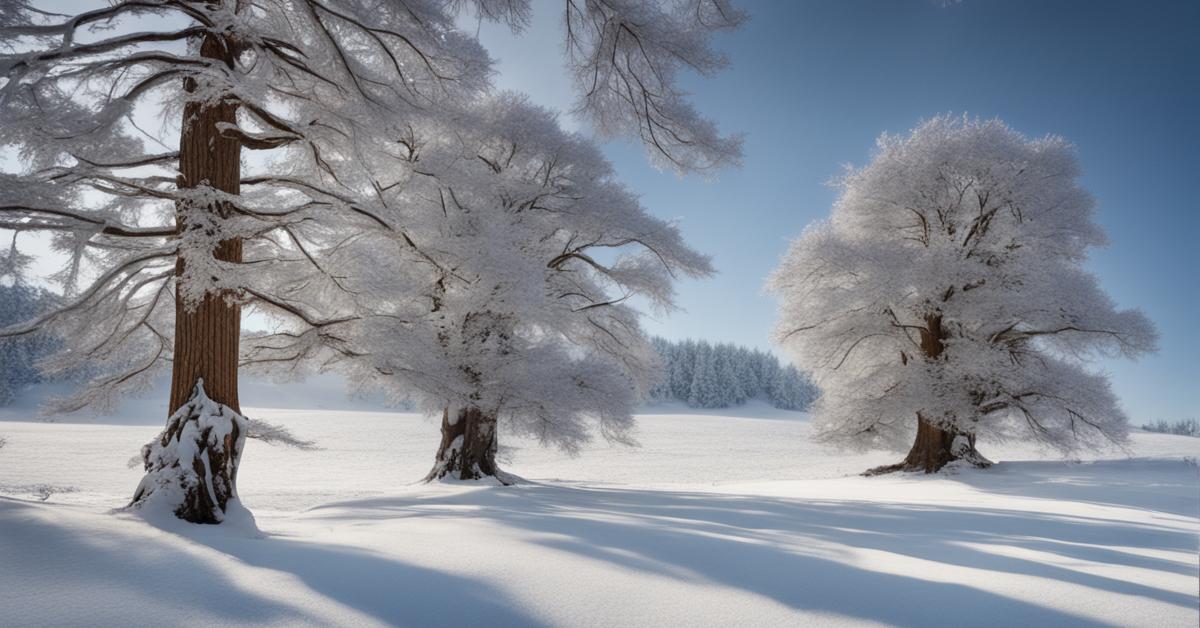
[812, 84]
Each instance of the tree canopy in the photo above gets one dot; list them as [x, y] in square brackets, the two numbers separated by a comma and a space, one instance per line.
[948, 284]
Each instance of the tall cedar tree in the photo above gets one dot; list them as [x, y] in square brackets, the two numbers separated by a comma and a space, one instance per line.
[170, 234]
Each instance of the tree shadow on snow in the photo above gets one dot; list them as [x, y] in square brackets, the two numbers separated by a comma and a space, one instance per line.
[119, 578]
[1166, 486]
[392, 591]
[789, 549]
[169, 580]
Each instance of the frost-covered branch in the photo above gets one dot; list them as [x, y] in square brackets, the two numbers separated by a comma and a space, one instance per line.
[947, 285]
[505, 221]
[624, 57]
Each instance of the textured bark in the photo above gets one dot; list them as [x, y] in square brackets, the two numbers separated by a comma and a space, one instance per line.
[934, 447]
[468, 447]
[206, 334]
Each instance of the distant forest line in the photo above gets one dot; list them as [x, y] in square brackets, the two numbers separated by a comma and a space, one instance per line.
[722, 375]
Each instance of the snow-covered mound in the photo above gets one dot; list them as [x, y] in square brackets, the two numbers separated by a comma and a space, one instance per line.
[713, 521]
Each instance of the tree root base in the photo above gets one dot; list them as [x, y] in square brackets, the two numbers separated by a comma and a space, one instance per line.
[453, 475]
[975, 462]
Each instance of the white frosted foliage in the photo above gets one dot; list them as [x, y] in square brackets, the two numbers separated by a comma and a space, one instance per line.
[948, 281]
[360, 123]
[503, 282]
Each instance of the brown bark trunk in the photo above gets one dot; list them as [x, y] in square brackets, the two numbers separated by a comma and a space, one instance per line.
[468, 447]
[206, 334]
[934, 447]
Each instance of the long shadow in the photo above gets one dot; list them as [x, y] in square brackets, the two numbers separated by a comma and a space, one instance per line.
[394, 592]
[1167, 486]
[761, 545]
[40, 560]
[796, 552]
[397, 593]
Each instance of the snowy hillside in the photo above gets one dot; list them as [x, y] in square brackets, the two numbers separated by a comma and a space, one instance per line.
[714, 521]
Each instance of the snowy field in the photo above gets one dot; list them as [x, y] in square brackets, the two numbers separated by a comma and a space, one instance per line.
[714, 521]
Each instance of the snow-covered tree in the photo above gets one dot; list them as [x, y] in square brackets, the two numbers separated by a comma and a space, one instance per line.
[520, 322]
[624, 56]
[731, 393]
[661, 390]
[723, 375]
[944, 299]
[682, 369]
[706, 390]
[790, 389]
[169, 232]
[133, 124]
[19, 302]
[744, 370]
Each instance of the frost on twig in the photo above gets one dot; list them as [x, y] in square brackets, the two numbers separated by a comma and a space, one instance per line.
[946, 298]
[273, 434]
[41, 491]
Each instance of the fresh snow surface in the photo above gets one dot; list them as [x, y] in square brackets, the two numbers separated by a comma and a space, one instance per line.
[714, 521]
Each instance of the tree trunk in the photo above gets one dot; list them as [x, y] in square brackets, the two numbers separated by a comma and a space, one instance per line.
[206, 336]
[468, 447]
[207, 333]
[935, 447]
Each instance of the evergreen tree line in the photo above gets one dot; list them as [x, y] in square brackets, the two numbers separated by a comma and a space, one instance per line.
[1185, 427]
[19, 354]
[721, 375]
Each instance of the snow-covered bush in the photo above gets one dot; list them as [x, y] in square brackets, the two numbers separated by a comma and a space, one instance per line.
[191, 467]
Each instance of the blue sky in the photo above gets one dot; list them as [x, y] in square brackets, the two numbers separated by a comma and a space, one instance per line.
[812, 84]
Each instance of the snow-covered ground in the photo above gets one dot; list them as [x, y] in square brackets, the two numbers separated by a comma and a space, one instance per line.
[714, 521]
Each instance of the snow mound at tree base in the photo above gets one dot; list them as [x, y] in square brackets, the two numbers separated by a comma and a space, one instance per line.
[191, 467]
[502, 478]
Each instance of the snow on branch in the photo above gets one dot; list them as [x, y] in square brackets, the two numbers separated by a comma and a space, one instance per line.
[273, 434]
[624, 56]
[948, 282]
[521, 253]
